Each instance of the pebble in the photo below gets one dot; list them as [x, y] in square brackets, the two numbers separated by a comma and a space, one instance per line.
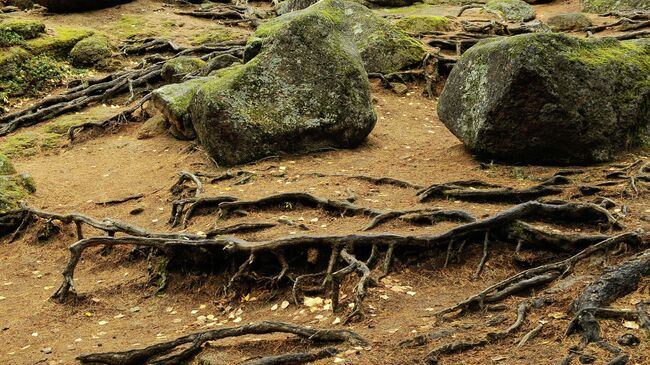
[628, 339]
[46, 350]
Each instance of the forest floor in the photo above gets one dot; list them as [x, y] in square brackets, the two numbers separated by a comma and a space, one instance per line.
[117, 311]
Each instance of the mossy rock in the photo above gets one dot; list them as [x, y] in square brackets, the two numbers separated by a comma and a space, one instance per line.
[288, 6]
[174, 102]
[392, 3]
[383, 47]
[605, 6]
[14, 187]
[60, 44]
[27, 29]
[550, 98]
[424, 23]
[511, 10]
[219, 62]
[175, 69]
[91, 51]
[11, 61]
[569, 21]
[304, 91]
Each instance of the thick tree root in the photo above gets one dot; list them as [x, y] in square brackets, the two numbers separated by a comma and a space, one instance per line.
[536, 276]
[456, 347]
[295, 358]
[479, 191]
[155, 354]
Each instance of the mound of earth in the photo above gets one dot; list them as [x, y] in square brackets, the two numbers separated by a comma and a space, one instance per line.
[550, 98]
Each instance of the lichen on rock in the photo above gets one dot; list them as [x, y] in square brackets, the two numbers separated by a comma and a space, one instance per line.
[550, 98]
[424, 23]
[174, 69]
[568, 21]
[383, 47]
[511, 10]
[604, 6]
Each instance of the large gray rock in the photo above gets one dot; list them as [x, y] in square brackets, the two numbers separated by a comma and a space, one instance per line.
[305, 90]
[383, 47]
[550, 98]
[604, 6]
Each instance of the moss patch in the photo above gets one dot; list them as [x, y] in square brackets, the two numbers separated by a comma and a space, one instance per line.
[423, 23]
[215, 35]
[27, 29]
[511, 10]
[92, 50]
[60, 44]
[13, 187]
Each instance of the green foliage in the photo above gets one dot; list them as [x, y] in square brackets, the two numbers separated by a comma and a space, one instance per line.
[13, 187]
[9, 38]
[27, 29]
[36, 74]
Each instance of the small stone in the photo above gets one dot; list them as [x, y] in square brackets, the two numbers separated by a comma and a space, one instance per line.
[46, 350]
[399, 88]
[587, 359]
[134, 309]
[628, 339]
[136, 211]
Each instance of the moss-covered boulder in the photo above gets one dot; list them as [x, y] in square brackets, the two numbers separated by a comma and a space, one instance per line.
[569, 21]
[604, 6]
[72, 6]
[288, 6]
[424, 23]
[27, 29]
[14, 187]
[11, 61]
[60, 43]
[174, 102]
[174, 69]
[304, 91]
[91, 51]
[383, 47]
[550, 98]
[511, 10]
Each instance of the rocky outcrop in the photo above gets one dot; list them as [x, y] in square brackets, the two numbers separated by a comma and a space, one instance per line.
[550, 98]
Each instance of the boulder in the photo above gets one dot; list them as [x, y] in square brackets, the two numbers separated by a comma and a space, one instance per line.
[174, 102]
[288, 6]
[605, 6]
[175, 69]
[14, 187]
[550, 98]
[91, 51]
[219, 62]
[72, 6]
[305, 90]
[569, 21]
[60, 43]
[424, 23]
[511, 10]
[383, 47]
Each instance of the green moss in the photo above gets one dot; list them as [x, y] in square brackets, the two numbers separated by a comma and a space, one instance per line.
[60, 44]
[511, 10]
[6, 168]
[33, 75]
[604, 6]
[91, 51]
[215, 35]
[13, 187]
[130, 26]
[423, 23]
[412, 9]
[174, 69]
[27, 29]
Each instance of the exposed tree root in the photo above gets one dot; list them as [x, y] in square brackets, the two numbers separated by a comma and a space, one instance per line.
[295, 358]
[534, 277]
[460, 346]
[374, 180]
[479, 191]
[157, 354]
